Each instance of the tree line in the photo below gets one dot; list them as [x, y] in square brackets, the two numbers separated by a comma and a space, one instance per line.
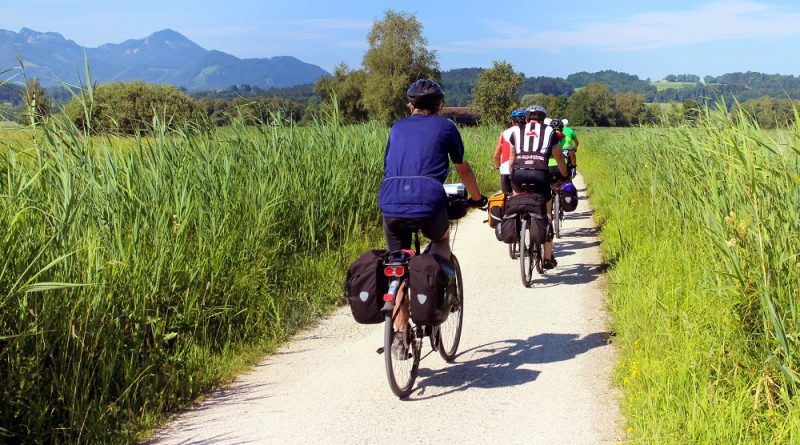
[397, 54]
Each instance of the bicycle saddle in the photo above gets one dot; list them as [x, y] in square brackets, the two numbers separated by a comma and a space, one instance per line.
[398, 257]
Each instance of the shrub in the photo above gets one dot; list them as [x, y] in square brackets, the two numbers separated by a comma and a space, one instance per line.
[131, 107]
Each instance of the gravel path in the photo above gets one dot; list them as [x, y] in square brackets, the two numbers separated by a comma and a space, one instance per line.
[534, 366]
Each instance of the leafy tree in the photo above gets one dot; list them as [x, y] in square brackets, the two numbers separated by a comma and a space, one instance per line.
[35, 104]
[593, 106]
[346, 87]
[130, 107]
[459, 84]
[495, 93]
[616, 82]
[217, 111]
[691, 110]
[768, 112]
[630, 108]
[545, 85]
[397, 56]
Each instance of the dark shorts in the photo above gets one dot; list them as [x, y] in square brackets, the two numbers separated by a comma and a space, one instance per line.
[505, 183]
[555, 174]
[536, 181]
[398, 231]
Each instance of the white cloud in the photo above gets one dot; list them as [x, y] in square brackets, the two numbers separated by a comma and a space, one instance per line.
[711, 22]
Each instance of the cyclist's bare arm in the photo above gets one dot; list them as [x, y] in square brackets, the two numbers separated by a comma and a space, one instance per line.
[497, 152]
[573, 154]
[558, 155]
[468, 178]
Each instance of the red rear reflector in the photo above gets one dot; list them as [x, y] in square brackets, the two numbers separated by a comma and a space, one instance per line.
[390, 271]
[388, 297]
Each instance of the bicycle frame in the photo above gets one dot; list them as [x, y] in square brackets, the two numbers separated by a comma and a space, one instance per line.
[402, 363]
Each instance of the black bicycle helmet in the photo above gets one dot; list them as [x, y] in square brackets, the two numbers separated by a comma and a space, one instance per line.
[425, 94]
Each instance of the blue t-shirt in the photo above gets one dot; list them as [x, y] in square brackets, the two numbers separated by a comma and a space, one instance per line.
[416, 165]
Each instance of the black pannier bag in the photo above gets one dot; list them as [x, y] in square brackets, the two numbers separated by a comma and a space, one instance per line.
[430, 276]
[535, 205]
[365, 286]
[507, 230]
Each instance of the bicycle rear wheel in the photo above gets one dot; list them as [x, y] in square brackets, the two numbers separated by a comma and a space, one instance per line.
[450, 329]
[557, 214]
[526, 253]
[401, 370]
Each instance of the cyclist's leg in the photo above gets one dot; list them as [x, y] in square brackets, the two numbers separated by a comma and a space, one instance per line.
[398, 236]
[505, 184]
[395, 233]
[437, 229]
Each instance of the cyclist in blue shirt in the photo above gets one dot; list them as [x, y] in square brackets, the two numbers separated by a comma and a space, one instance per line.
[416, 164]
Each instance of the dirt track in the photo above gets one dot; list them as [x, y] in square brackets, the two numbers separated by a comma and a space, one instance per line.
[534, 366]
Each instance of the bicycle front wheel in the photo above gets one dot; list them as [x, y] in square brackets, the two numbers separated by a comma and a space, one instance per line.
[526, 253]
[538, 257]
[401, 365]
[450, 329]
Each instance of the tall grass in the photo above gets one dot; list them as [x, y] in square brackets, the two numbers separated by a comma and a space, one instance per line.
[133, 272]
[702, 228]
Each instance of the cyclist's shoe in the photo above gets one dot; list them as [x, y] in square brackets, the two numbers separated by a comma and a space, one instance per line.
[549, 264]
[399, 349]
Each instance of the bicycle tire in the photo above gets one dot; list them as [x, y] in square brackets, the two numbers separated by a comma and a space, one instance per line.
[557, 214]
[539, 257]
[400, 373]
[449, 331]
[526, 254]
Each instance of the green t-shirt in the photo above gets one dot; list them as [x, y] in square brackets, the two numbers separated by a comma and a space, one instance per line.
[567, 143]
[569, 138]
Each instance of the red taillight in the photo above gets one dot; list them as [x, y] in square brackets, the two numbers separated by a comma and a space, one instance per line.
[388, 297]
[394, 271]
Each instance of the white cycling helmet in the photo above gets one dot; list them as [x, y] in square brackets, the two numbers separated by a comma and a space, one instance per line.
[565, 122]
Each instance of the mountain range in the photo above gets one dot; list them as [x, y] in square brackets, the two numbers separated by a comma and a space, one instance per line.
[162, 57]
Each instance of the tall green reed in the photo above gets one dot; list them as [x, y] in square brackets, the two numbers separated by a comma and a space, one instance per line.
[132, 269]
[701, 224]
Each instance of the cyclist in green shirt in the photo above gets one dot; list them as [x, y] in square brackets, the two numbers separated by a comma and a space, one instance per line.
[569, 145]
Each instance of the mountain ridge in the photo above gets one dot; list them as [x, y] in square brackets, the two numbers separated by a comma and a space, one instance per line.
[165, 56]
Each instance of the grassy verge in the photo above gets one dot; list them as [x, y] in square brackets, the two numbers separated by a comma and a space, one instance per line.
[137, 273]
[701, 228]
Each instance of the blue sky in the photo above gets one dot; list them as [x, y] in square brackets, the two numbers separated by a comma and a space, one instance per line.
[647, 38]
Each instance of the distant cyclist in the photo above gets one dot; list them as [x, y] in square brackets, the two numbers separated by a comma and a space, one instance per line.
[529, 166]
[502, 151]
[416, 164]
[569, 145]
